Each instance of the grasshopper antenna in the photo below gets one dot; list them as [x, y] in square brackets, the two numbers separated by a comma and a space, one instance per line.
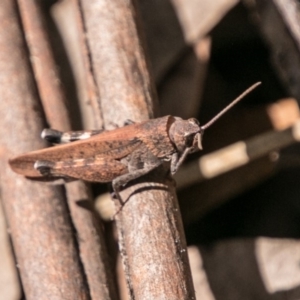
[229, 106]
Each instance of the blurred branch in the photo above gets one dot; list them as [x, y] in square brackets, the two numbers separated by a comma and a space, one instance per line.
[278, 20]
[198, 17]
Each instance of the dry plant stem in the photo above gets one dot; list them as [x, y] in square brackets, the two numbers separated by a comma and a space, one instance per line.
[91, 86]
[40, 225]
[150, 231]
[91, 243]
[89, 231]
[45, 70]
[153, 243]
[118, 61]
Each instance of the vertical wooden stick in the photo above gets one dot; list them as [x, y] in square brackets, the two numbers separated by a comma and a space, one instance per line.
[150, 230]
[44, 66]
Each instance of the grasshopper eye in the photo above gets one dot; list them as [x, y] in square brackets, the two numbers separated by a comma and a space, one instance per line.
[189, 140]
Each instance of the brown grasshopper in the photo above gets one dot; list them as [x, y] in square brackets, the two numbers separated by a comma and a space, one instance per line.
[118, 155]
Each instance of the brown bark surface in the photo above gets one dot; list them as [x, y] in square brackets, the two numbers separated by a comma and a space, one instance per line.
[91, 242]
[45, 70]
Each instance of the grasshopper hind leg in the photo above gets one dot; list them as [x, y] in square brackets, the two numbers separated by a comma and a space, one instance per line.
[93, 169]
[59, 137]
[44, 167]
[51, 135]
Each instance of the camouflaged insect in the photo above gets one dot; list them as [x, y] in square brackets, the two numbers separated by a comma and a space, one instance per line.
[118, 155]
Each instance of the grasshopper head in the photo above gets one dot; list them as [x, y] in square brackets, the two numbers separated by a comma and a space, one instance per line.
[186, 134]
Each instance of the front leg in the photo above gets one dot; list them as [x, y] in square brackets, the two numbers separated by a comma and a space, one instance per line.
[177, 160]
[139, 163]
[122, 180]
